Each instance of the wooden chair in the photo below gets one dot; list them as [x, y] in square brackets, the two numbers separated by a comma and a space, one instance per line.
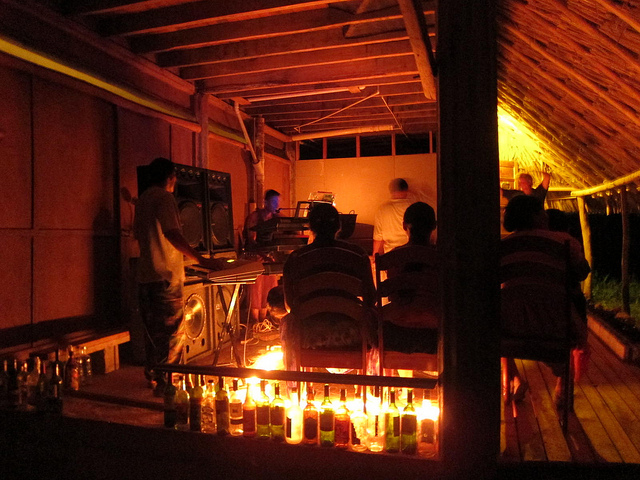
[328, 286]
[536, 313]
[412, 272]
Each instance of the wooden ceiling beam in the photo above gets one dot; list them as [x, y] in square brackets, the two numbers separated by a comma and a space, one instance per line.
[329, 58]
[350, 72]
[203, 13]
[111, 7]
[259, 28]
[421, 45]
[260, 90]
[390, 91]
[354, 112]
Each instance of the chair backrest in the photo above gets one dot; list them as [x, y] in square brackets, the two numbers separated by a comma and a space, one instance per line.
[412, 271]
[535, 299]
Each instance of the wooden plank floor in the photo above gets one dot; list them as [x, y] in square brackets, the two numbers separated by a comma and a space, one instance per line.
[605, 424]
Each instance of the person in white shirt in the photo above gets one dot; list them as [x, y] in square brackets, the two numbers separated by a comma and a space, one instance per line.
[388, 232]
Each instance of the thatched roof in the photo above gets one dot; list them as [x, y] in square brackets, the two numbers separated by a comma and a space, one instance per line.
[568, 84]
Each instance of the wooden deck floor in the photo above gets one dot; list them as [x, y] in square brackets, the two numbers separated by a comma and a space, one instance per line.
[605, 425]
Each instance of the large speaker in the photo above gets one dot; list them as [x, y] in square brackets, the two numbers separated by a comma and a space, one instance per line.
[219, 209]
[198, 321]
[204, 202]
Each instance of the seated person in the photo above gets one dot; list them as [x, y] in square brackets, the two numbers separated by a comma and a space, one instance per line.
[331, 331]
[525, 216]
[412, 317]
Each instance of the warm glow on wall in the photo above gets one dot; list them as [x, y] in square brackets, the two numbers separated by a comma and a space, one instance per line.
[518, 143]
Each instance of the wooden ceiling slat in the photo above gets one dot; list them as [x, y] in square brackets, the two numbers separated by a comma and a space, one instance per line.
[260, 28]
[102, 7]
[202, 13]
[353, 71]
[329, 58]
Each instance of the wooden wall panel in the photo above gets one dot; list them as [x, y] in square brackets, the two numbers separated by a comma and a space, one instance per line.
[15, 280]
[77, 276]
[182, 145]
[276, 176]
[15, 148]
[140, 140]
[227, 157]
[73, 159]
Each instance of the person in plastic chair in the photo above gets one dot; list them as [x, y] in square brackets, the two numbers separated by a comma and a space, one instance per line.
[324, 222]
[411, 320]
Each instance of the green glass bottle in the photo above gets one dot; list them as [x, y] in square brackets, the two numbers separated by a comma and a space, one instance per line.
[327, 420]
[42, 388]
[409, 427]
[392, 425]
[54, 395]
[182, 405]
[343, 422]
[263, 430]
[169, 408]
[195, 407]
[222, 408]
[277, 415]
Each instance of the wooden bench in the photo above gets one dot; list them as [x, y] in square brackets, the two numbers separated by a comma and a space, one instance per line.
[104, 345]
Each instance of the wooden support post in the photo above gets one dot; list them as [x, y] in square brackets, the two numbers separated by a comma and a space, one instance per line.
[258, 143]
[469, 237]
[201, 107]
[586, 243]
[626, 244]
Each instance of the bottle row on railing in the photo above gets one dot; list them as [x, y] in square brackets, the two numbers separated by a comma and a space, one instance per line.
[38, 384]
[377, 425]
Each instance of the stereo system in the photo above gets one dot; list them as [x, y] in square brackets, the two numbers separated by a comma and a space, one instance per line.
[204, 203]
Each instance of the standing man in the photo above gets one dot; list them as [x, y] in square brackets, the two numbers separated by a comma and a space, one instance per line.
[254, 239]
[158, 229]
[525, 187]
[387, 229]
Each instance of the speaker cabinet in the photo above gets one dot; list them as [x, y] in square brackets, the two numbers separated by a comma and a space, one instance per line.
[199, 328]
[204, 203]
[221, 299]
[220, 212]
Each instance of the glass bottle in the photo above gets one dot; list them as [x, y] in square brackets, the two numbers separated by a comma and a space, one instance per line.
[23, 387]
[209, 409]
[182, 405]
[409, 427]
[80, 362]
[86, 376]
[169, 408]
[392, 425]
[375, 422]
[4, 384]
[358, 424]
[42, 388]
[235, 411]
[249, 414]
[72, 372]
[277, 415]
[32, 382]
[262, 413]
[327, 420]
[342, 422]
[310, 419]
[195, 408]
[54, 395]
[293, 427]
[13, 387]
[222, 408]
